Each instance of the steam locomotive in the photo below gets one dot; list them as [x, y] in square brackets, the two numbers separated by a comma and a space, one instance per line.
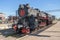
[31, 19]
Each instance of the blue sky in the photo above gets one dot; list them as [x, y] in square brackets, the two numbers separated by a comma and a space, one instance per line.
[9, 7]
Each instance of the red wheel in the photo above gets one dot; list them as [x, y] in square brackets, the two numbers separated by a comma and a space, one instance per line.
[28, 31]
[15, 27]
[25, 31]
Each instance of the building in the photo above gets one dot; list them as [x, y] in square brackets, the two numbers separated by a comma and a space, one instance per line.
[2, 18]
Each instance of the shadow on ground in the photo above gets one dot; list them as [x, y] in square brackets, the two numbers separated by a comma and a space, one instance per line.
[10, 32]
[39, 35]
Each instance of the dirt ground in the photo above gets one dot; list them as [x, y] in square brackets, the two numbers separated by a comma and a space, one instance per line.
[51, 33]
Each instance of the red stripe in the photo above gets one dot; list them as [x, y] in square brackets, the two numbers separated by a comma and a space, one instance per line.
[22, 12]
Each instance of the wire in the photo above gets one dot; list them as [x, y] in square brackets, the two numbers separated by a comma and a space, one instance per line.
[56, 10]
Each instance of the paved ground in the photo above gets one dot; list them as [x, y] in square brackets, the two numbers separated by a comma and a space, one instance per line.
[52, 33]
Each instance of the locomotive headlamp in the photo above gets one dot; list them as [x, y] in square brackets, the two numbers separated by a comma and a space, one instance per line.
[21, 6]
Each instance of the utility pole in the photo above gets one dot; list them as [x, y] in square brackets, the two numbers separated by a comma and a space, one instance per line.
[16, 14]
